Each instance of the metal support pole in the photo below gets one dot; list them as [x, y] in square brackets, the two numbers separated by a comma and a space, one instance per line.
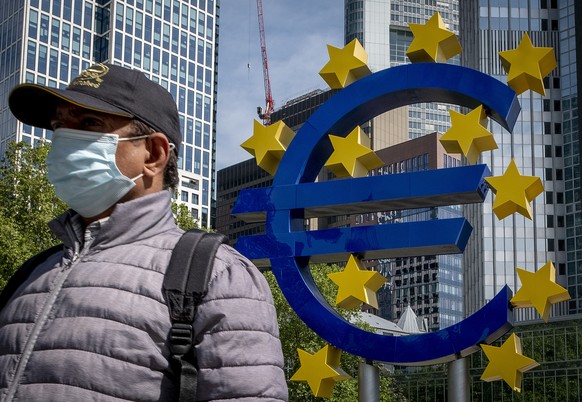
[368, 382]
[458, 380]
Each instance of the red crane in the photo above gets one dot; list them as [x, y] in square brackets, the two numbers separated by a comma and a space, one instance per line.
[265, 114]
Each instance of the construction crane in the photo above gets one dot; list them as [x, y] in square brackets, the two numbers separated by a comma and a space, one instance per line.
[265, 114]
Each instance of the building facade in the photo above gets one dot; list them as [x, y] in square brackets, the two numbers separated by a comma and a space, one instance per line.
[173, 42]
[536, 144]
[381, 26]
[570, 24]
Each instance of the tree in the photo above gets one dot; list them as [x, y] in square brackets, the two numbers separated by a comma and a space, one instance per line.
[28, 204]
[295, 334]
[183, 217]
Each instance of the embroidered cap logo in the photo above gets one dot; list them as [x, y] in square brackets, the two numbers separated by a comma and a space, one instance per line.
[91, 77]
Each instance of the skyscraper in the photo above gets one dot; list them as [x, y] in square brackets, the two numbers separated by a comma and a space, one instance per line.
[537, 145]
[570, 24]
[174, 42]
[381, 26]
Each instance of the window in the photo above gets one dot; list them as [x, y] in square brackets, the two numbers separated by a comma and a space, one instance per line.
[184, 197]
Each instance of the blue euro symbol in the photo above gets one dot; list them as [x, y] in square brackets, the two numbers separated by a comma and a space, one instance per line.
[294, 196]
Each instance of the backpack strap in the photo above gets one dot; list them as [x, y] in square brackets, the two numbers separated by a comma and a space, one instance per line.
[185, 285]
[22, 273]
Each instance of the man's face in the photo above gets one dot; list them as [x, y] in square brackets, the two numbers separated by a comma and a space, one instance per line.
[130, 155]
[70, 116]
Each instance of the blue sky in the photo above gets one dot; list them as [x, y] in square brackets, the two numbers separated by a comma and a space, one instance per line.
[297, 33]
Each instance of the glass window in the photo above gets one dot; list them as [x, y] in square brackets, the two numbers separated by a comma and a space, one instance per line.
[200, 56]
[208, 81]
[201, 24]
[55, 32]
[148, 29]
[188, 166]
[139, 24]
[54, 63]
[184, 197]
[88, 16]
[64, 67]
[189, 131]
[198, 133]
[197, 161]
[31, 56]
[157, 32]
[44, 28]
[206, 164]
[33, 24]
[76, 41]
[209, 54]
[204, 192]
[42, 59]
[199, 106]
[206, 136]
[207, 110]
[118, 45]
[87, 44]
[129, 20]
[209, 27]
[199, 79]
[193, 18]
[166, 36]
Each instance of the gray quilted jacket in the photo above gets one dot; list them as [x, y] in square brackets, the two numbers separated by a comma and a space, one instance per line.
[91, 324]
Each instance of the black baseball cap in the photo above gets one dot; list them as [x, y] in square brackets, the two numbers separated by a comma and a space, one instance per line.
[105, 88]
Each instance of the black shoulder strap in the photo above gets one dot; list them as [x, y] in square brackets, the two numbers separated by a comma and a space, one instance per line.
[185, 285]
[24, 272]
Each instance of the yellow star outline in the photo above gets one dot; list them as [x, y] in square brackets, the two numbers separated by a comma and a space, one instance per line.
[320, 370]
[432, 42]
[268, 144]
[468, 134]
[527, 66]
[357, 285]
[514, 192]
[352, 156]
[539, 290]
[506, 362]
[345, 65]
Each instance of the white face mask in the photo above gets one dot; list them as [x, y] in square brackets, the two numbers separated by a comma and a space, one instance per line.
[81, 166]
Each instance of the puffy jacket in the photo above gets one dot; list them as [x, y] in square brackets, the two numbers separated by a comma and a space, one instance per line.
[91, 322]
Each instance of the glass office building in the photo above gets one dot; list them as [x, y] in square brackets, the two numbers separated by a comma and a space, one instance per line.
[174, 42]
[570, 16]
[382, 28]
[537, 145]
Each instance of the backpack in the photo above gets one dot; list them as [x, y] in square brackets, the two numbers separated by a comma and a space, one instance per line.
[184, 290]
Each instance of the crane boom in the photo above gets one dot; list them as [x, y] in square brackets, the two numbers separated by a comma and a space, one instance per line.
[265, 114]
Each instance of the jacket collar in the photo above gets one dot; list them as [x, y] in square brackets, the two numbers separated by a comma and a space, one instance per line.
[130, 221]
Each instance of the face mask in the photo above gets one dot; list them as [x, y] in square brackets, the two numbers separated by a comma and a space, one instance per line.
[81, 166]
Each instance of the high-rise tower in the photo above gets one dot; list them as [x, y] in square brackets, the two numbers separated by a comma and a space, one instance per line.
[174, 42]
[537, 145]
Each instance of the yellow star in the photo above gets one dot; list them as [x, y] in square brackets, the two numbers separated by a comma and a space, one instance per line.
[352, 156]
[506, 362]
[320, 370]
[539, 290]
[514, 192]
[432, 42]
[268, 144]
[527, 66]
[356, 285]
[345, 65]
[468, 135]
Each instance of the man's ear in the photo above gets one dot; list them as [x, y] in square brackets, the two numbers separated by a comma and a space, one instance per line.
[159, 154]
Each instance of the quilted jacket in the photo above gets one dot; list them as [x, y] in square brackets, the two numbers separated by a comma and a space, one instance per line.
[91, 323]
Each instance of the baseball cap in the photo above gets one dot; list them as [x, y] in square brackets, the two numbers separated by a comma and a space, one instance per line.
[105, 88]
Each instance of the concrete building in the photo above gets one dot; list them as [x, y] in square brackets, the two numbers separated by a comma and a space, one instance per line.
[173, 42]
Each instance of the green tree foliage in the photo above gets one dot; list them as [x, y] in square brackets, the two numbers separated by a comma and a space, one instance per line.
[295, 334]
[183, 217]
[28, 204]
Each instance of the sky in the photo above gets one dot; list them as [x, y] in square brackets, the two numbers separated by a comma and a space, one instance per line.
[297, 34]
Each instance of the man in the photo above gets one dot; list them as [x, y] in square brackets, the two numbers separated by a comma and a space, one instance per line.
[91, 322]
